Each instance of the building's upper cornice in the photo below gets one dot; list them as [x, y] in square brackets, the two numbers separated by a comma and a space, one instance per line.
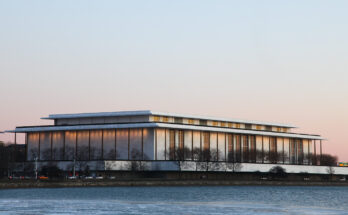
[155, 113]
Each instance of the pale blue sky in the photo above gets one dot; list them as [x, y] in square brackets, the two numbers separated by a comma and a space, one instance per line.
[278, 61]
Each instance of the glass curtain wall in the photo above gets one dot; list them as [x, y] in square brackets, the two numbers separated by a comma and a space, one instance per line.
[293, 159]
[33, 146]
[266, 149]
[58, 145]
[135, 144]
[237, 147]
[213, 147]
[109, 144]
[221, 156]
[166, 144]
[299, 146]
[197, 149]
[252, 146]
[45, 146]
[280, 148]
[273, 155]
[259, 149]
[230, 155]
[70, 145]
[286, 150]
[95, 144]
[245, 148]
[305, 146]
[83, 152]
[160, 144]
[122, 144]
[188, 143]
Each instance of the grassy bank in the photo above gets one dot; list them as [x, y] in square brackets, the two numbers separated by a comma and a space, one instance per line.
[150, 182]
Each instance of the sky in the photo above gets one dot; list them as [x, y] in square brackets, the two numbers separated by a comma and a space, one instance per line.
[272, 61]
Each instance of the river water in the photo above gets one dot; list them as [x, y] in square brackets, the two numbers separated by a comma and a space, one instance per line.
[176, 200]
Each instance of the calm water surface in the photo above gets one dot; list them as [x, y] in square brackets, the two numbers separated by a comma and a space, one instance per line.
[176, 200]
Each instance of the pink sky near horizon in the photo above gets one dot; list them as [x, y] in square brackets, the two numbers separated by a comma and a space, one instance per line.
[270, 61]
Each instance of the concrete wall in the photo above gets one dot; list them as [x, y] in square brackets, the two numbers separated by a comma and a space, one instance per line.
[185, 166]
[220, 167]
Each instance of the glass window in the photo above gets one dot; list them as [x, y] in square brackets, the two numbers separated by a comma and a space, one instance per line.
[149, 144]
[82, 145]
[122, 144]
[70, 145]
[45, 146]
[109, 142]
[259, 152]
[293, 151]
[212, 147]
[245, 148]
[179, 145]
[237, 147]
[299, 146]
[58, 145]
[171, 148]
[201, 122]
[305, 152]
[188, 145]
[197, 145]
[280, 149]
[310, 152]
[161, 141]
[273, 156]
[287, 150]
[178, 120]
[167, 136]
[165, 119]
[33, 146]
[96, 144]
[221, 147]
[266, 149]
[135, 144]
[230, 149]
[252, 151]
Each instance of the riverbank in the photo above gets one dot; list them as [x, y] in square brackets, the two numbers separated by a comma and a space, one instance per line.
[117, 183]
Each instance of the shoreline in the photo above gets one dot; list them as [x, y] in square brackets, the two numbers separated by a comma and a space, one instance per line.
[131, 183]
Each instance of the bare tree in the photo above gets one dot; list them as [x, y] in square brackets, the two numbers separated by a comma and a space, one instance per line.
[328, 160]
[207, 156]
[137, 163]
[233, 163]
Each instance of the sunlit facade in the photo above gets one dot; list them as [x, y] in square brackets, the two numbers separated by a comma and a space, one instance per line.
[155, 136]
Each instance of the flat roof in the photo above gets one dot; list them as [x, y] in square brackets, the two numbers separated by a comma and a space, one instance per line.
[149, 112]
[164, 125]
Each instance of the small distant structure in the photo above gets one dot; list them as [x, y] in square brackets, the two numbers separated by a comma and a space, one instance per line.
[343, 164]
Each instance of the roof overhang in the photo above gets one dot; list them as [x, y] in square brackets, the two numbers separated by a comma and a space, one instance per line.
[149, 112]
[163, 125]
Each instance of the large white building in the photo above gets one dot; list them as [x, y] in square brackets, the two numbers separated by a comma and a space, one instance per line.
[156, 136]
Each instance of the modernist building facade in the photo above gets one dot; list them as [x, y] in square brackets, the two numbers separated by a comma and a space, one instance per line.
[156, 136]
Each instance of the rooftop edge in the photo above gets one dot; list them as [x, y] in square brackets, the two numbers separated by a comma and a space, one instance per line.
[149, 112]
